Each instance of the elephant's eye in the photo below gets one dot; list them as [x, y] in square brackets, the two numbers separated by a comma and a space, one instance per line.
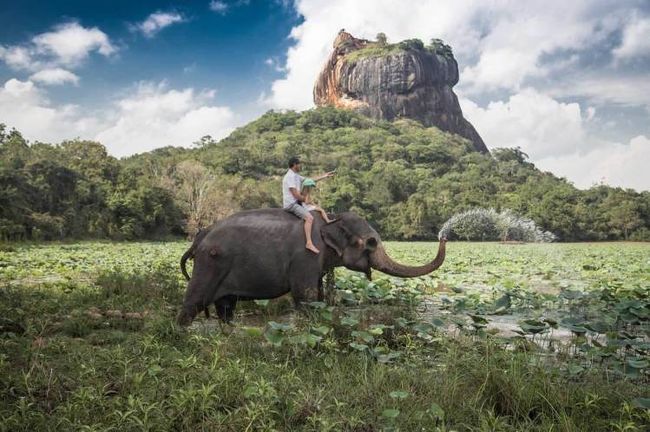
[371, 244]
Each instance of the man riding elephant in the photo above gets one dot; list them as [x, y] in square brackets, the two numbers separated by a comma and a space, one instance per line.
[293, 201]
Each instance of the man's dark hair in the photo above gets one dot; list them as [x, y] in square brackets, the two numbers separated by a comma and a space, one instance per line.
[294, 161]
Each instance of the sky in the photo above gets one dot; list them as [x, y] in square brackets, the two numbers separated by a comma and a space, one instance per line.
[566, 81]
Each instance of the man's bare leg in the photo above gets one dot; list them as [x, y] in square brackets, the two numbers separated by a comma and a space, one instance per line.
[310, 245]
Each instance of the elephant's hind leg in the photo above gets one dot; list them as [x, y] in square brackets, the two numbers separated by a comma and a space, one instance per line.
[201, 290]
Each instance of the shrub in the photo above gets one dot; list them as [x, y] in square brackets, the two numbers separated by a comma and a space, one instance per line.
[487, 224]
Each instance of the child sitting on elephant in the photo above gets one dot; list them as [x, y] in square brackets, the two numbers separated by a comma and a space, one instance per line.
[307, 187]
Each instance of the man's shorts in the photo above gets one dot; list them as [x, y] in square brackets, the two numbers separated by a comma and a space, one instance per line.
[298, 210]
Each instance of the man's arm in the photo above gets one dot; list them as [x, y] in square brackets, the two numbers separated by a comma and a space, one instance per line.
[324, 176]
[296, 194]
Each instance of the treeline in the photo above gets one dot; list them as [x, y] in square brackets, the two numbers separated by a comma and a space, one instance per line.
[407, 180]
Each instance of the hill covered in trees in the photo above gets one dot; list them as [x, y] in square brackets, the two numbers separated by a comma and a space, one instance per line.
[405, 178]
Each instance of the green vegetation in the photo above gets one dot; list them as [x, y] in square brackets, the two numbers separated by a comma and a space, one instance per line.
[381, 48]
[87, 343]
[407, 180]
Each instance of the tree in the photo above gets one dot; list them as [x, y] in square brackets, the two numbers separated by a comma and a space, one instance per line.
[201, 197]
[382, 40]
[623, 213]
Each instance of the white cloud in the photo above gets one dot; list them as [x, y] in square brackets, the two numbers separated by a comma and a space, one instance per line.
[606, 88]
[16, 57]
[275, 63]
[154, 116]
[68, 45]
[624, 165]
[219, 6]
[147, 117]
[24, 106]
[553, 134]
[158, 21]
[499, 45]
[54, 76]
[538, 124]
[636, 40]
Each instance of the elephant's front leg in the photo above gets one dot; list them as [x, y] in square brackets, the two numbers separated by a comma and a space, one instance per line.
[321, 293]
[304, 290]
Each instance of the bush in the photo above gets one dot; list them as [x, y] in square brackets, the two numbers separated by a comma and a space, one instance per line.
[487, 224]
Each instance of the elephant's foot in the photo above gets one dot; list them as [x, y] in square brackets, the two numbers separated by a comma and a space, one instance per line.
[185, 318]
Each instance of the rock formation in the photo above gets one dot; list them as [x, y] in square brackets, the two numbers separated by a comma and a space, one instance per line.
[395, 81]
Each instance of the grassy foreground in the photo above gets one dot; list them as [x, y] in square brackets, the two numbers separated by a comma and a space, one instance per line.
[87, 343]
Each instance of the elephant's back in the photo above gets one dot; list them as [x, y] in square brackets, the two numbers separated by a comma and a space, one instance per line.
[262, 219]
[262, 227]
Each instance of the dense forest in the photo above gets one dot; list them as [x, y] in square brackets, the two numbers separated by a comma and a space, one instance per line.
[405, 178]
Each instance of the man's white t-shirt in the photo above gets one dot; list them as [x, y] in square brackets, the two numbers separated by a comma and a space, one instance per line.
[291, 180]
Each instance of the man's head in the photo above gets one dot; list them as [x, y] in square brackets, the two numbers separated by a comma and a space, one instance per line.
[294, 163]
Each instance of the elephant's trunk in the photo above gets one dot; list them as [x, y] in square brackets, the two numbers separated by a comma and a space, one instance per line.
[380, 260]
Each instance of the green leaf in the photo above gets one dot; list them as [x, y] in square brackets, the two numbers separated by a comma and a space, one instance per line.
[321, 330]
[438, 322]
[364, 336]
[503, 302]
[250, 390]
[551, 322]
[532, 326]
[638, 364]
[575, 369]
[401, 322]
[263, 303]
[377, 329]
[389, 357]
[422, 327]
[326, 313]
[349, 321]
[390, 413]
[279, 326]
[436, 411]
[312, 340]
[577, 330]
[643, 403]
[570, 294]
[358, 347]
[399, 394]
[253, 331]
[275, 337]
[478, 319]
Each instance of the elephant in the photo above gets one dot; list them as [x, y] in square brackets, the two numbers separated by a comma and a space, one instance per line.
[260, 254]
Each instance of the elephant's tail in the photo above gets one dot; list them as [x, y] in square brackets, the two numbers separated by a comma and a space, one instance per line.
[189, 254]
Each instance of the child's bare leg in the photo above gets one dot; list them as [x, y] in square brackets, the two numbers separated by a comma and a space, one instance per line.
[310, 245]
[324, 214]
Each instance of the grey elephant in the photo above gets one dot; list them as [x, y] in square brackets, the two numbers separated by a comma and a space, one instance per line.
[260, 254]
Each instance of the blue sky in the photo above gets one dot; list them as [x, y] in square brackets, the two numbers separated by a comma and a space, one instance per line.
[225, 51]
[568, 82]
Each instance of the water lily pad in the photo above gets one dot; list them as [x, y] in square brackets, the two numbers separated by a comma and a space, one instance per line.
[390, 413]
[349, 321]
[643, 403]
[358, 347]
[638, 364]
[399, 394]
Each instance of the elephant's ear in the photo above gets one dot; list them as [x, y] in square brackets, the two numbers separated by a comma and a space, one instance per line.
[336, 236]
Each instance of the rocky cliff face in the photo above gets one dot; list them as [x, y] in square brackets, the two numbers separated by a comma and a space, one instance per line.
[395, 81]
